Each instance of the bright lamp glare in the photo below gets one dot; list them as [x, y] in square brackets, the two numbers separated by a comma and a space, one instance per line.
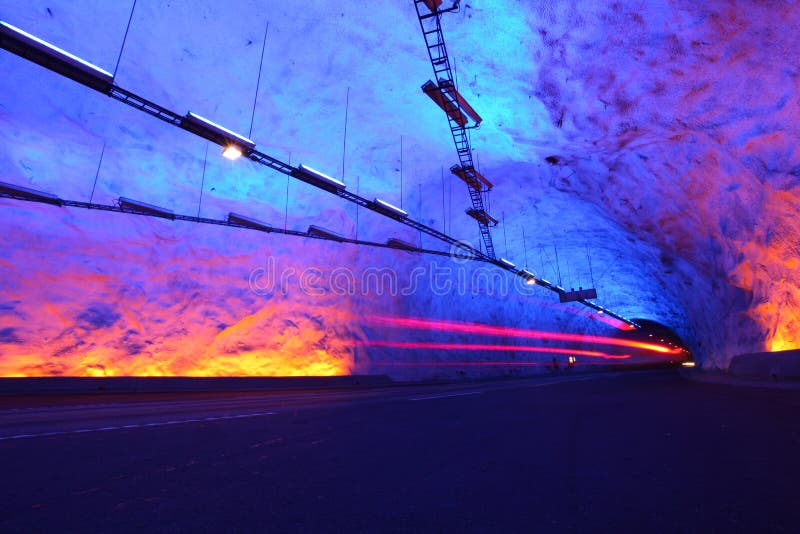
[232, 152]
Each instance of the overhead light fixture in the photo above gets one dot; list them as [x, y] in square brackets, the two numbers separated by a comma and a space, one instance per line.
[447, 105]
[506, 263]
[482, 217]
[472, 177]
[580, 294]
[530, 279]
[242, 220]
[51, 57]
[449, 90]
[394, 242]
[319, 231]
[136, 206]
[17, 191]
[433, 5]
[233, 142]
[319, 179]
[384, 207]
[232, 152]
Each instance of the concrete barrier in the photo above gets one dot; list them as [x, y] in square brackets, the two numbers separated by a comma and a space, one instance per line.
[783, 365]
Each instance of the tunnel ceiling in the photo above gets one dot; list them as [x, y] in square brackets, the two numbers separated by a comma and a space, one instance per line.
[656, 138]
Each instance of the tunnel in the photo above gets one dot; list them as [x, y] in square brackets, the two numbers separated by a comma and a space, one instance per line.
[571, 224]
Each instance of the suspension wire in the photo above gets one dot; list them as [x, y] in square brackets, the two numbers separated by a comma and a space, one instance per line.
[258, 82]
[97, 174]
[524, 246]
[505, 241]
[419, 211]
[568, 275]
[401, 172]
[589, 257]
[450, 203]
[202, 182]
[558, 267]
[124, 38]
[444, 208]
[541, 261]
[286, 210]
[358, 192]
[344, 136]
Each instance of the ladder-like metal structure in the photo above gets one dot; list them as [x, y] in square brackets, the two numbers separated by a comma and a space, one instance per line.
[431, 25]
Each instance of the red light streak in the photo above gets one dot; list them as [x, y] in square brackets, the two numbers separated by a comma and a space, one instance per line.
[482, 329]
[457, 364]
[485, 347]
[482, 363]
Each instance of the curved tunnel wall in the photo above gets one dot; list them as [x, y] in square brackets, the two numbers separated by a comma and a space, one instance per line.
[670, 160]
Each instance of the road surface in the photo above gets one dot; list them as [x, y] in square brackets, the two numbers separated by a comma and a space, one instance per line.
[645, 452]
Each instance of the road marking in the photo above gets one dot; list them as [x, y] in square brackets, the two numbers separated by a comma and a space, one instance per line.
[565, 380]
[446, 395]
[142, 425]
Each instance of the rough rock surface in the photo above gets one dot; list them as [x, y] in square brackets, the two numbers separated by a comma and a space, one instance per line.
[658, 136]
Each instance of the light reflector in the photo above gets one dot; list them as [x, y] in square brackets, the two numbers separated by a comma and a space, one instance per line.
[447, 105]
[448, 89]
[385, 207]
[482, 217]
[433, 5]
[51, 57]
[17, 191]
[472, 177]
[138, 206]
[242, 220]
[399, 243]
[506, 263]
[215, 133]
[319, 179]
[319, 231]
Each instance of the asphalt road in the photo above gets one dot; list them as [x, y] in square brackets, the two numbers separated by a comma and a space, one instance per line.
[638, 452]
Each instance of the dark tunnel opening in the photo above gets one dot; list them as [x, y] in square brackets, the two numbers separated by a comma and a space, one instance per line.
[655, 332]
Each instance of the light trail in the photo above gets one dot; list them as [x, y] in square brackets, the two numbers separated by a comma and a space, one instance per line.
[489, 347]
[483, 329]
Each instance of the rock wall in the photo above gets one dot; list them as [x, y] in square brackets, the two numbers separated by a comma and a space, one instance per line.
[650, 147]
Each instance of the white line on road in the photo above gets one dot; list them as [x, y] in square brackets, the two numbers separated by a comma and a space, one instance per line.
[142, 425]
[446, 395]
[507, 387]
